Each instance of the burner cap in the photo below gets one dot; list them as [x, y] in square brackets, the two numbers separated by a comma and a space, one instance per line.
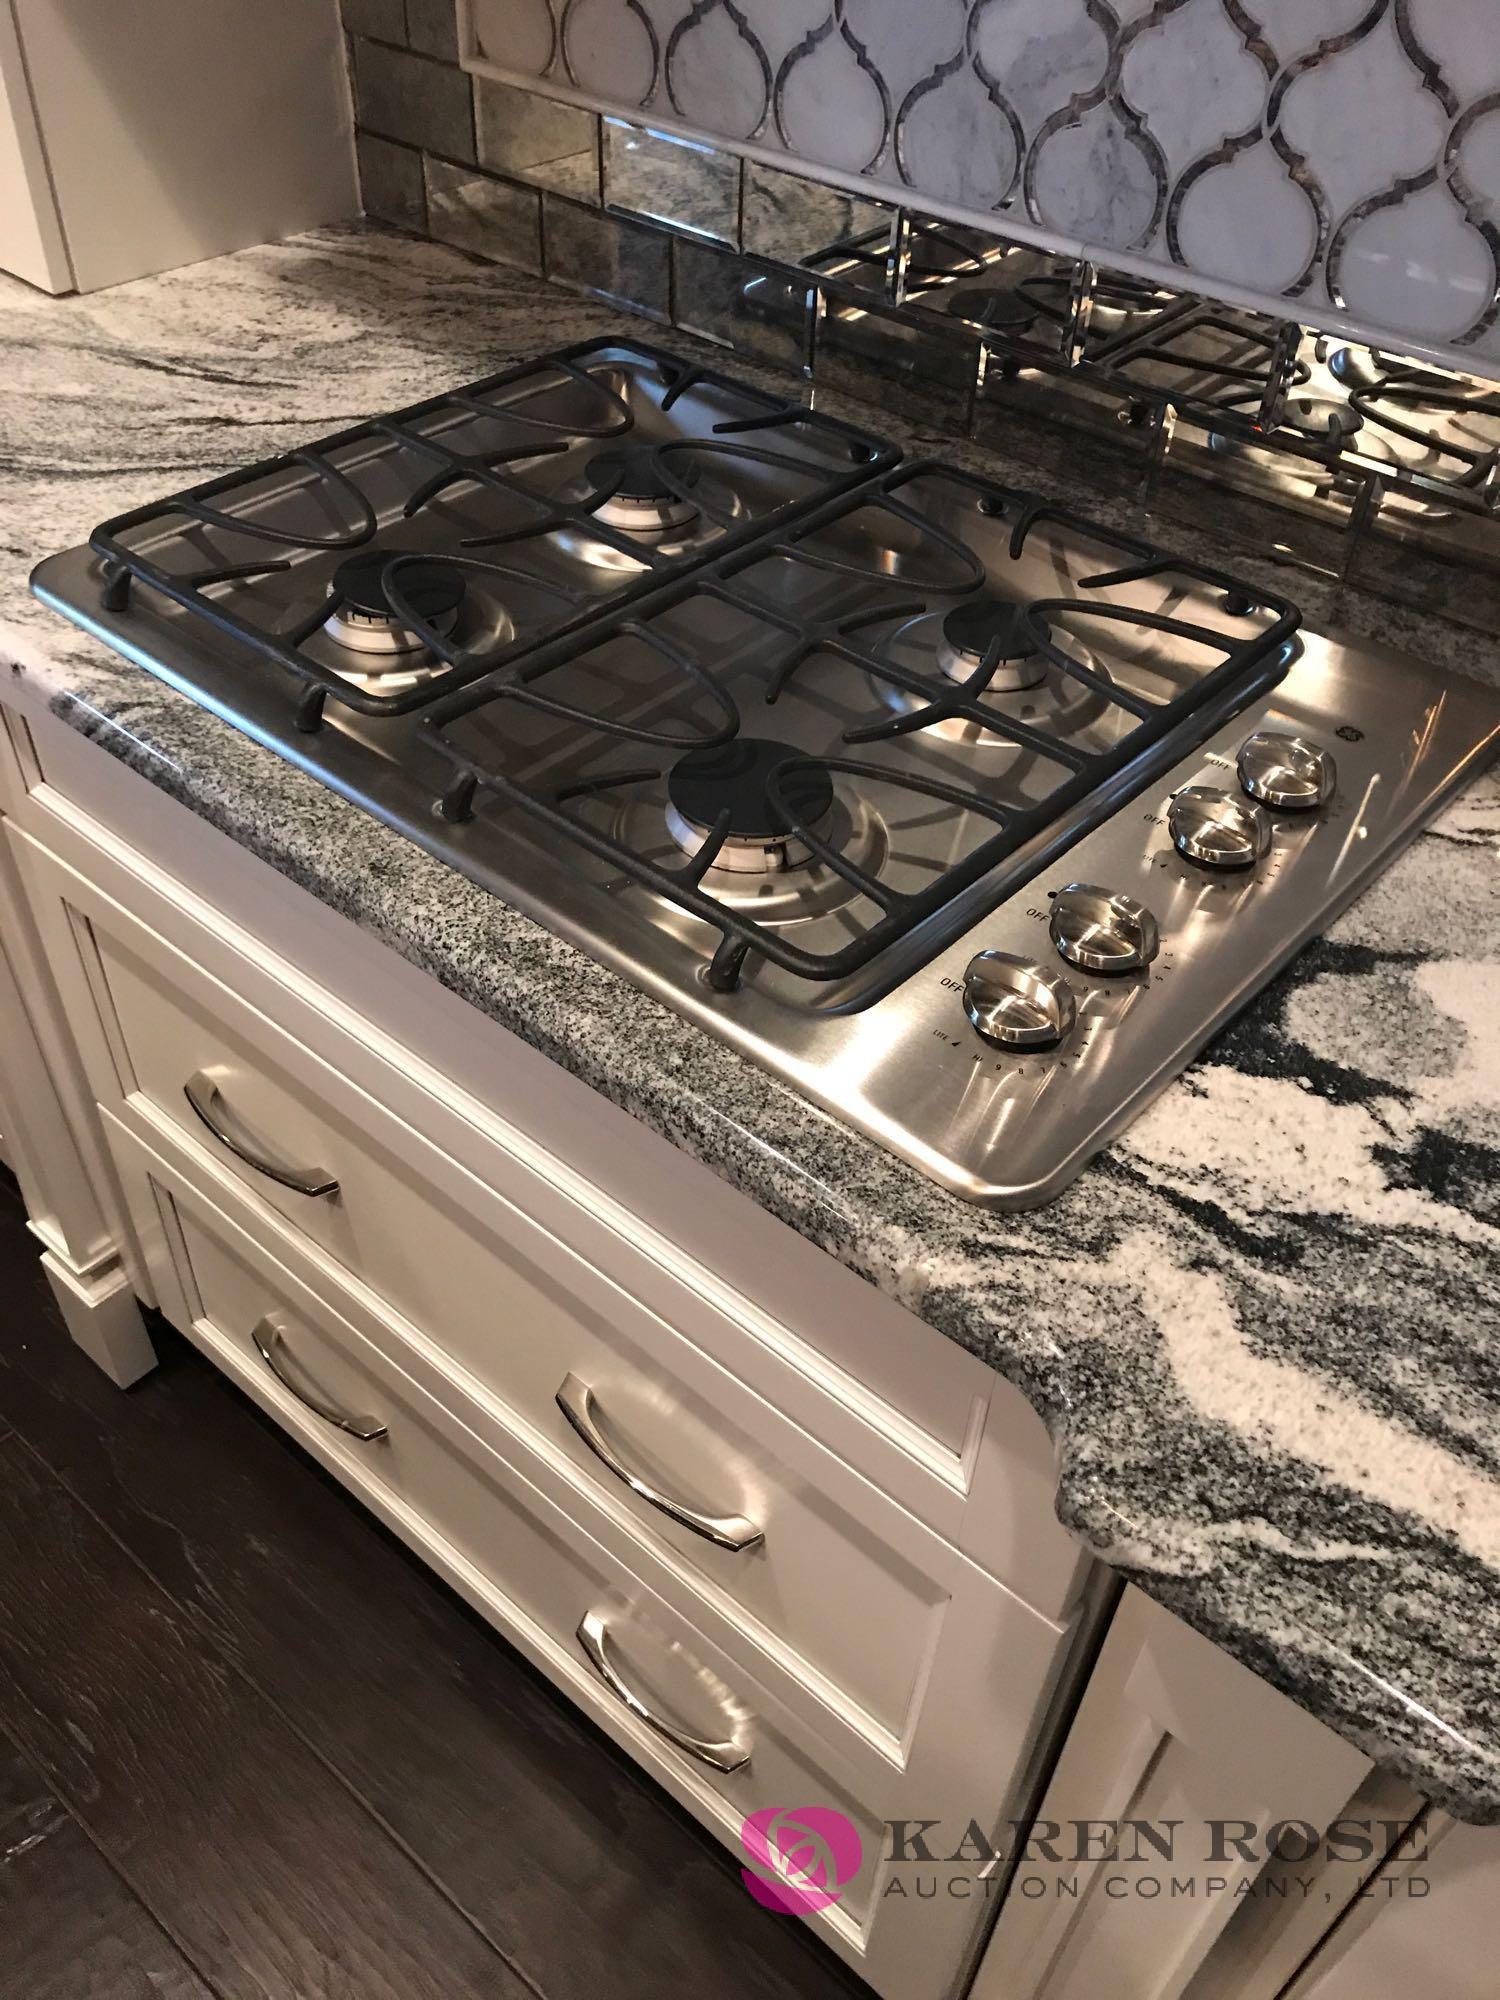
[1005, 311]
[1320, 417]
[1355, 367]
[972, 627]
[735, 775]
[636, 496]
[433, 589]
[634, 473]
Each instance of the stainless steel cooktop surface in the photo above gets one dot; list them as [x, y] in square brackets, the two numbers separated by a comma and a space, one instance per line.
[971, 818]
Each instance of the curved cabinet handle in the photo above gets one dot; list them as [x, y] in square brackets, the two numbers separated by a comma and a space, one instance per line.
[726, 1531]
[269, 1342]
[593, 1637]
[204, 1095]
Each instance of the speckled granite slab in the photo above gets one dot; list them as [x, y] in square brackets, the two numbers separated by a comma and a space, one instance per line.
[1264, 1328]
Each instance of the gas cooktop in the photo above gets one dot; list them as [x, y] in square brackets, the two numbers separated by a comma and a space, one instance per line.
[969, 816]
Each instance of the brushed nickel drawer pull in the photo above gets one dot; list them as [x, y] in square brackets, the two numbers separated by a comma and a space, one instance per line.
[726, 1531]
[207, 1100]
[593, 1636]
[269, 1342]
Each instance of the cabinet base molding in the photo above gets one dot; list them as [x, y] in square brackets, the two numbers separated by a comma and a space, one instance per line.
[103, 1316]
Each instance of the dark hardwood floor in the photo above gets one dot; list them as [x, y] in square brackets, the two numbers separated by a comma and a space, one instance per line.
[249, 1747]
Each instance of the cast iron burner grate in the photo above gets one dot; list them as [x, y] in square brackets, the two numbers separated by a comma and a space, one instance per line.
[1415, 405]
[1244, 630]
[339, 496]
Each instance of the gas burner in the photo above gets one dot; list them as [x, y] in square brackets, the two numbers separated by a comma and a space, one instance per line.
[1355, 367]
[365, 619]
[1061, 701]
[1318, 419]
[640, 500]
[969, 631]
[1003, 311]
[736, 777]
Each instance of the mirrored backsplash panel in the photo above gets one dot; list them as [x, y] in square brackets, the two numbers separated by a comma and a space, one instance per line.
[1339, 159]
[1325, 451]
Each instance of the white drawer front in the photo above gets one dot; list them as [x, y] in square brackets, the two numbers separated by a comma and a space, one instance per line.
[524, 1273]
[501, 1529]
[843, 1588]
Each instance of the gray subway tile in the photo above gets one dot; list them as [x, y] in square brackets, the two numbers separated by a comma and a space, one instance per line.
[410, 98]
[738, 303]
[925, 374]
[792, 220]
[531, 138]
[686, 185]
[491, 218]
[432, 27]
[384, 19]
[605, 254]
[390, 182]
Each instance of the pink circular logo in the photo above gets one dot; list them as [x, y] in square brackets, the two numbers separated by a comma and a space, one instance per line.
[801, 1857]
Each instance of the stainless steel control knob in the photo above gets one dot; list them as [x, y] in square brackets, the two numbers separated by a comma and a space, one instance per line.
[1218, 829]
[1286, 772]
[1016, 1005]
[1101, 930]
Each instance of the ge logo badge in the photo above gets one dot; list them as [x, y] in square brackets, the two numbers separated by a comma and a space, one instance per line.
[1350, 734]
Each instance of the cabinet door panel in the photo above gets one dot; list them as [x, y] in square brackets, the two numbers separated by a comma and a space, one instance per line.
[1428, 1925]
[1172, 1735]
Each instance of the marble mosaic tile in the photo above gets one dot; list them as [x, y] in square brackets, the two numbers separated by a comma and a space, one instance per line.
[1343, 157]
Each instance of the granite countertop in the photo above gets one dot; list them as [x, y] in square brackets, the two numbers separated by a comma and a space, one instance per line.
[1263, 1328]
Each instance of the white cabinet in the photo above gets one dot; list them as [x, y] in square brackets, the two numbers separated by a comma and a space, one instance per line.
[137, 138]
[807, 1557]
[1427, 1924]
[1199, 1834]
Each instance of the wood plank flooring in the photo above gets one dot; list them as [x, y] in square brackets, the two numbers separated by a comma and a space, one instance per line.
[250, 1748]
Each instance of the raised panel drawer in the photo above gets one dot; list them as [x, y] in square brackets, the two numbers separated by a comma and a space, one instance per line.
[523, 1284]
[847, 1592]
[491, 1518]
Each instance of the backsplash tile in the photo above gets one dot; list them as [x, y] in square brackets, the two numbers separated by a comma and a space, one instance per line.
[384, 19]
[432, 27]
[1189, 409]
[491, 218]
[422, 103]
[791, 218]
[535, 139]
[1339, 158]
[607, 255]
[675, 181]
[390, 179]
[717, 295]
